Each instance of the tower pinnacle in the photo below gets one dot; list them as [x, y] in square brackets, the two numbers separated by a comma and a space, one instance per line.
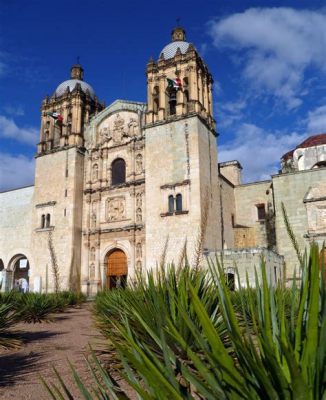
[178, 34]
[77, 71]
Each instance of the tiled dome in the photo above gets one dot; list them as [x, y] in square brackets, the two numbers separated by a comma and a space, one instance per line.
[71, 83]
[170, 50]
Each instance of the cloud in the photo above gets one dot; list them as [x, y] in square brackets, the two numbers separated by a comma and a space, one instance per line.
[230, 112]
[276, 46]
[9, 130]
[258, 151]
[16, 171]
[16, 111]
[316, 120]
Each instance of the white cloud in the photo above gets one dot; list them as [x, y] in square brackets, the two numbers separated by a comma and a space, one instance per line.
[16, 171]
[276, 45]
[9, 129]
[316, 121]
[230, 112]
[258, 151]
[16, 111]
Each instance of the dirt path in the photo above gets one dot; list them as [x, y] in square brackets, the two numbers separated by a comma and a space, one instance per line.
[67, 337]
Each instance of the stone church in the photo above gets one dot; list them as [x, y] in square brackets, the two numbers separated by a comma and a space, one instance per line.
[120, 188]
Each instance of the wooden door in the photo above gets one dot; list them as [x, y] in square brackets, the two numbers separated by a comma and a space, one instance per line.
[117, 269]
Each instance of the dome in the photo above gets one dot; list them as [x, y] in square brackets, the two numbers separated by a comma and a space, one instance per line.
[170, 50]
[71, 84]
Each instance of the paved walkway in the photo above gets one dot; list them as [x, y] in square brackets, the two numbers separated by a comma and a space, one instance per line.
[47, 344]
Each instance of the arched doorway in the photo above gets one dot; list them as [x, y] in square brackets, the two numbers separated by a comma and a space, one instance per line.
[116, 270]
[20, 267]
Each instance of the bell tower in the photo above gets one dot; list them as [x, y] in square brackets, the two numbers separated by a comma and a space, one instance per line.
[182, 193]
[64, 114]
[179, 83]
[59, 179]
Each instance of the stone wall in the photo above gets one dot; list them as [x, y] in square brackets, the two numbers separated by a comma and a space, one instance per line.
[15, 224]
[180, 159]
[58, 192]
[227, 212]
[292, 189]
[247, 197]
[246, 260]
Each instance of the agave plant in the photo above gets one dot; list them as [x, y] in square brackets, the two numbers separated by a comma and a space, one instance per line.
[34, 307]
[8, 318]
[279, 353]
[153, 301]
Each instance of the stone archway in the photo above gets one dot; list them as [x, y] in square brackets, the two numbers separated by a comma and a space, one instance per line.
[116, 269]
[19, 265]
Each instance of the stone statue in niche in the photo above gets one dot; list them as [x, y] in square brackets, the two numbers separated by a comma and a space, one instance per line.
[118, 129]
[138, 250]
[95, 172]
[92, 254]
[138, 215]
[93, 220]
[132, 127]
[116, 209]
[89, 143]
[105, 135]
[138, 266]
[139, 164]
[92, 271]
[139, 200]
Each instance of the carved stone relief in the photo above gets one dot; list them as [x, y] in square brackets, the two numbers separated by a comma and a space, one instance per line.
[139, 200]
[92, 271]
[138, 266]
[133, 127]
[139, 215]
[139, 250]
[115, 209]
[139, 164]
[315, 201]
[118, 127]
[92, 254]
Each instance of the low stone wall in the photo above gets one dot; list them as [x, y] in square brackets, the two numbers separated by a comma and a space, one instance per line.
[246, 260]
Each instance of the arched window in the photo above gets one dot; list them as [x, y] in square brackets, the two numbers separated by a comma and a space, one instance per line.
[47, 220]
[43, 221]
[171, 204]
[156, 99]
[118, 171]
[172, 100]
[186, 96]
[178, 202]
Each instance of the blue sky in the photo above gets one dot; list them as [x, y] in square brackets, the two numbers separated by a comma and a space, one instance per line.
[268, 60]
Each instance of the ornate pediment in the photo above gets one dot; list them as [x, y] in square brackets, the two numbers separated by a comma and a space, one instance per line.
[102, 130]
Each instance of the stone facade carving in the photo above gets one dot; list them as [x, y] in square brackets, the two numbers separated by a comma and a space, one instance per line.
[118, 129]
[139, 216]
[92, 271]
[115, 209]
[139, 250]
[133, 127]
[139, 164]
[139, 200]
[315, 201]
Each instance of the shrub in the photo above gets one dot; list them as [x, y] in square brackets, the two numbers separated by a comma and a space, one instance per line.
[278, 353]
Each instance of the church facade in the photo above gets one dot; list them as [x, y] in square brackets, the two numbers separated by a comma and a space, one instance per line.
[120, 189]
